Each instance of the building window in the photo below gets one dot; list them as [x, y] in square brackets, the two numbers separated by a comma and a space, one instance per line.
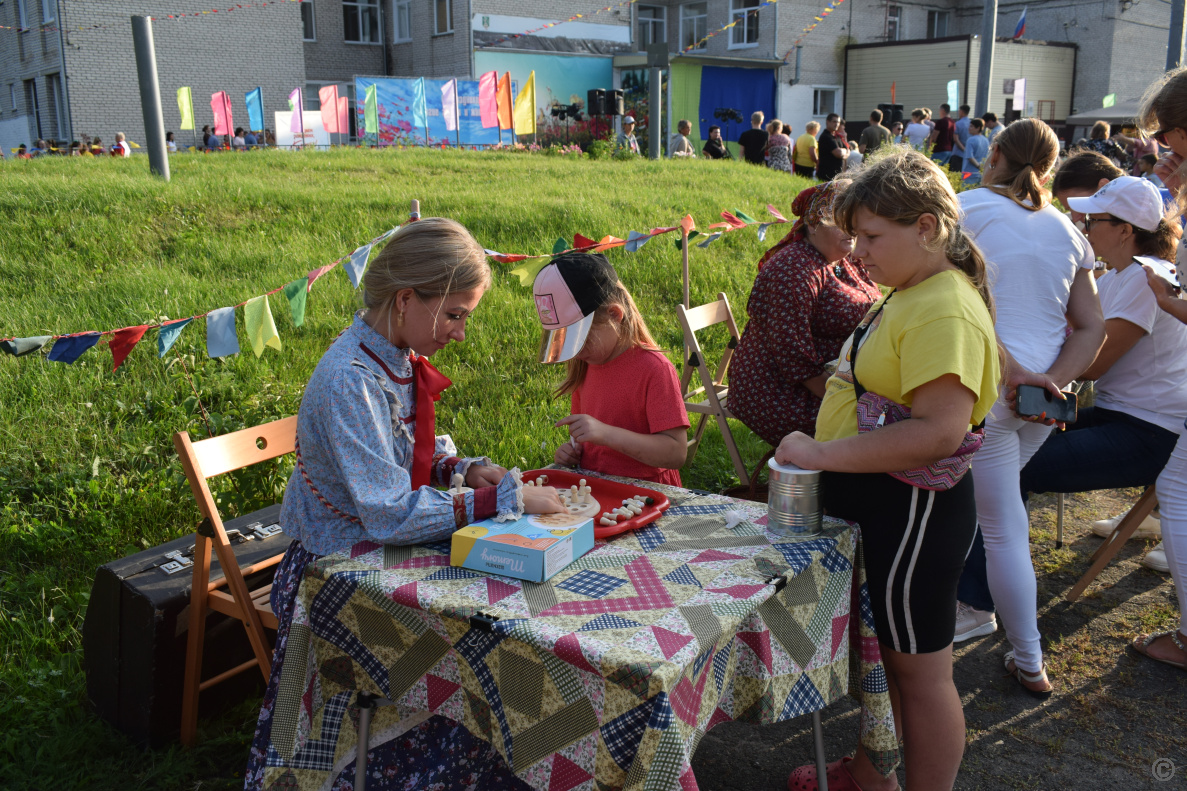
[937, 23]
[57, 104]
[694, 18]
[22, 20]
[34, 108]
[652, 23]
[403, 20]
[360, 21]
[824, 101]
[894, 20]
[745, 16]
[442, 16]
[12, 94]
[49, 11]
[309, 30]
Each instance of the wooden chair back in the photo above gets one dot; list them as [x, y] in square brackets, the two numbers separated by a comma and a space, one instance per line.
[201, 461]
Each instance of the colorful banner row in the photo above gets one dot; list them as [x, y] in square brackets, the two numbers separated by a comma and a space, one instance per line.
[260, 327]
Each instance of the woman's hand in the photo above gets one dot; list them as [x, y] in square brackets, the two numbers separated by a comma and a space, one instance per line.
[1017, 375]
[1163, 291]
[541, 500]
[583, 428]
[800, 450]
[1167, 169]
[567, 455]
[480, 475]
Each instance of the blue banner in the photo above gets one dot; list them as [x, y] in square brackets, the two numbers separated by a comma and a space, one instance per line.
[397, 100]
[255, 110]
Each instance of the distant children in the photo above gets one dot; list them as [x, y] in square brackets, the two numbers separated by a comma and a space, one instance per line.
[1146, 167]
[627, 416]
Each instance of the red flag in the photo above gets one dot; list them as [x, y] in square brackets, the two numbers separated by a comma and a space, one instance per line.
[892, 85]
[582, 242]
[687, 223]
[504, 101]
[316, 273]
[220, 105]
[123, 341]
[775, 213]
[329, 109]
[487, 103]
[344, 115]
[733, 221]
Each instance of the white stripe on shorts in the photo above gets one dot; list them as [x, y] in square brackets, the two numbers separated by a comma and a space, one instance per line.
[931, 498]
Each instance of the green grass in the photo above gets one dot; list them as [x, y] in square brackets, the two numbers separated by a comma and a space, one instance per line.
[87, 468]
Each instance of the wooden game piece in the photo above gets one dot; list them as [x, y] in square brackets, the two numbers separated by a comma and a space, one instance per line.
[607, 522]
[581, 483]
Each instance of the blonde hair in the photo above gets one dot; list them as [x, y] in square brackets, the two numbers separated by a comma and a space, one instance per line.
[774, 126]
[1028, 150]
[632, 332]
[433, 256]
[1100, 131]
[903, 186]
[812, 127]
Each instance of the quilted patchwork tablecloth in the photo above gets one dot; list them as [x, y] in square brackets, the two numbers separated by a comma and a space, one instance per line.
[604, 677]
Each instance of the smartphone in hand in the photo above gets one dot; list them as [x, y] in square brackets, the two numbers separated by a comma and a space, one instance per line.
[1034, 401]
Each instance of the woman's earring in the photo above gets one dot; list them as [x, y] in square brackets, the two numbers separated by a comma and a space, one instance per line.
[400, 319]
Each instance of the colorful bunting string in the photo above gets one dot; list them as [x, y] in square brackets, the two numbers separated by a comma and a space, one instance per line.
[723, 28]
[573, 18]
[816, 21]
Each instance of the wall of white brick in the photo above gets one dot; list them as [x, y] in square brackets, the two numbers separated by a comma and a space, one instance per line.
[29, 55]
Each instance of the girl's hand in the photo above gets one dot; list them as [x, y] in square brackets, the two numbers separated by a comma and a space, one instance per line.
[480, 475]
[1017, 375]
[801, 450]
[541, 500]
[568, 456]
[584, 428]
[1167, 169]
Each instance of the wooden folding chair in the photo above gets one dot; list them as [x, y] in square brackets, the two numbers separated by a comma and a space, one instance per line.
[713, 389]
[1108, 550]
[201, 461]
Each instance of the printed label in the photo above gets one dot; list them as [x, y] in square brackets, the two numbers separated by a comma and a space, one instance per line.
[558, 556]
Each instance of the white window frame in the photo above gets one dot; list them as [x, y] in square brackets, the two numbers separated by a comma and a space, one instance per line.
[402, 21]
[35, 111]
[54, 83]
[939, 13]
[653, 22]
[49, 11]
[22, 18]
[816, 108]
[894, 18]
[308, 4]
[362, 6]
[437, 4]
[746, 22]
[698, 31]
[12, 96]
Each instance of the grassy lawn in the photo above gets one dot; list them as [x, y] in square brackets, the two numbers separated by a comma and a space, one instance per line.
[87, 468]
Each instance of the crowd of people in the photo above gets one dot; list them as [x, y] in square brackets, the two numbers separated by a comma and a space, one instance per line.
[241, 140]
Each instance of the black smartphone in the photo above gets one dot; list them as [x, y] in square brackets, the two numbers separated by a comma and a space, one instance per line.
[1034, 401]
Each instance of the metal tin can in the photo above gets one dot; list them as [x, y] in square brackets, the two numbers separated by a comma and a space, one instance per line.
[793, 502]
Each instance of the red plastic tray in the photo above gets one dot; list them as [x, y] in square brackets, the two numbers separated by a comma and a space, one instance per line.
[609, 495]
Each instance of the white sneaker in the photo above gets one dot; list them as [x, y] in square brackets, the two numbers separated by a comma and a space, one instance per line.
[971, 622]
[1148, 529]
[1156, 559]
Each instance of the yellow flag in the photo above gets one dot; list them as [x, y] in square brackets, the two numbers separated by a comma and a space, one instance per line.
[525, 107]
[261, 328]
[185, 105]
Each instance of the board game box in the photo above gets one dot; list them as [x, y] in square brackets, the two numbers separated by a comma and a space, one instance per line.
[532, 548]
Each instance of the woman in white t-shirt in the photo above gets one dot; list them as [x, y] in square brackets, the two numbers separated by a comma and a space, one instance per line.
[917, 132]
[1040, 270]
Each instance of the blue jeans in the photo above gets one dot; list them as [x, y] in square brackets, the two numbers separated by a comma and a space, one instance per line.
[1103, 449]
[941, 157]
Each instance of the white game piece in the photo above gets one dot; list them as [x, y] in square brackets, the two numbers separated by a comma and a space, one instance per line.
[572, 491]
[543, 479]
[581, 483]
[634, 509]
[605, 521]
[625, 513]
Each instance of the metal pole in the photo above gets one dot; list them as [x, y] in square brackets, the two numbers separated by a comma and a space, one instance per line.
[818, 749]
[1174, 47]
[653, 123]
[150, 96]
[985, 71]
[684, 262]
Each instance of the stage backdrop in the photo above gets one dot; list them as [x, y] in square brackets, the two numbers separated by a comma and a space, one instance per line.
[745, 90]
[565, 79]
[394, 100]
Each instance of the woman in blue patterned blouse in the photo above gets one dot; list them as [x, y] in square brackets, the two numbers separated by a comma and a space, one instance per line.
[367, 451]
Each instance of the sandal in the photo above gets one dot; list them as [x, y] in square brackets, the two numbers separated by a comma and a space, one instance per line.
[1027, 680]
[803, 778]
[1142, 645]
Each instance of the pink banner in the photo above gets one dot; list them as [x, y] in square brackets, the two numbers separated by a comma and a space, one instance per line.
[329, 108]
[488, 105]
[297, 122]
[220, 105]
[343, 115]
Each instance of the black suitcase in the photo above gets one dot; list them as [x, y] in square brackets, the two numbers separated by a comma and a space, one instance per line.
[134, 634]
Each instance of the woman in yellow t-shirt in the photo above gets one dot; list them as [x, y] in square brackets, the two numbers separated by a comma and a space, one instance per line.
[804, 155]
[929, 344]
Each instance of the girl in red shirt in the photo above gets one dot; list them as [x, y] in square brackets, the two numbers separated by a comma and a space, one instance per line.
[627, 416]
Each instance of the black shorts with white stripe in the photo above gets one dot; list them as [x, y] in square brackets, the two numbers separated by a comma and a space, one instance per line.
[915, 544]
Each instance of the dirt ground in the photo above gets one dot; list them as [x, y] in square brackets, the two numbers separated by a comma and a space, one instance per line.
[1116, 720]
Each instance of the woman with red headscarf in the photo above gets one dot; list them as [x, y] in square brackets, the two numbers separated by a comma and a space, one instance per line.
[806, 300]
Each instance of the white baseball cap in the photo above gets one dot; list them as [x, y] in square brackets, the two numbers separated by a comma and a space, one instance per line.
[630, 119]
[1134, 200]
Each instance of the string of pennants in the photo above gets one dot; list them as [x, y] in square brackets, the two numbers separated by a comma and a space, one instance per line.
[816, 20]
[573, 18]
[723, 28]
[51, 28]
[260, 326]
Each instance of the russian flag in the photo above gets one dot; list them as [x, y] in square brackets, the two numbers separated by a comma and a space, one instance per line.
[1018, 31]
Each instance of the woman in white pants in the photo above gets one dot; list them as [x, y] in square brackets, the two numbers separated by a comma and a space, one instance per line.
[1040, 269]
[1164, 113]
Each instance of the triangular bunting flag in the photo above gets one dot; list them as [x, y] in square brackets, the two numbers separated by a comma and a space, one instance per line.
[220, 333]
[19, 347]
[168, 334]
[733, 221]
[387, 235]
[357, 263]
[297, 293]
[123, 341]
[560, 246]
[688, 224]
[607, 242]
[691, 235]
[775, 213]
[316, 273]
[712, 238]
[69, 348]
[527, 272]
[762, 230]
[261, 327]
[635, 240]
[744, 217]
[581, 242]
